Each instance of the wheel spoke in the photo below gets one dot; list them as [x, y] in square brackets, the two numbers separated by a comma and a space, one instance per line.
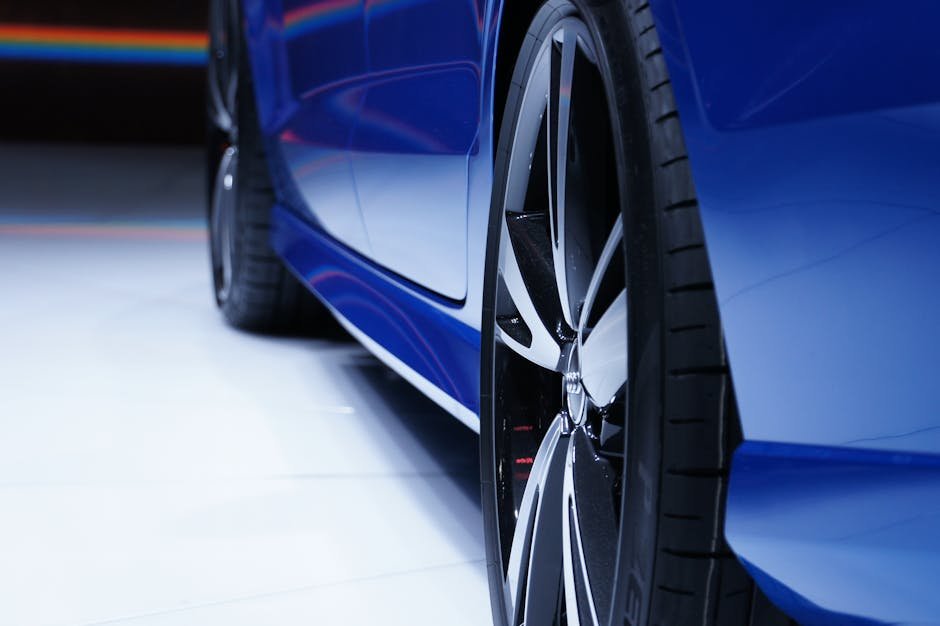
[611, 246]
[559, 115]
[529, 325]
[604, 347]
[542, 347]
[589, 533]
[568, 227]
[534, 568]
[526, 135]
[604, 354]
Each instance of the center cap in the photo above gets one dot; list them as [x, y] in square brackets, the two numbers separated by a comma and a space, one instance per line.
[574, 390]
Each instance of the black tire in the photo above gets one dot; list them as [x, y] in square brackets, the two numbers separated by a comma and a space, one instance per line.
[669, 563]
[252, 287]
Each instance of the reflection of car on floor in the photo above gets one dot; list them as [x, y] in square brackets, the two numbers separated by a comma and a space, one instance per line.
[710, 402]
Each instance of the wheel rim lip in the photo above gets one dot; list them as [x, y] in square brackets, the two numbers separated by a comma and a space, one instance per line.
[224, 199]
[516, 187]
[222, 77]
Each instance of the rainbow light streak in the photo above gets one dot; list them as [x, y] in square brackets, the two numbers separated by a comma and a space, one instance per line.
[100, 45]
[319, 14]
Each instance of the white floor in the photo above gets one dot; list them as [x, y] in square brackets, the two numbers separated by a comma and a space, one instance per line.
[159, 467]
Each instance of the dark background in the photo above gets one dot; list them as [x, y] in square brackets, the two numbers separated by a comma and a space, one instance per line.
[98, 102]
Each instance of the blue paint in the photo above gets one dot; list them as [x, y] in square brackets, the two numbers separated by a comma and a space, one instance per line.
[860, 530]
[406, 322]
[822, 226]
[814, 139]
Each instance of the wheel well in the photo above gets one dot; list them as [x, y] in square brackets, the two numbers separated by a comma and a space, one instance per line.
[513, 25]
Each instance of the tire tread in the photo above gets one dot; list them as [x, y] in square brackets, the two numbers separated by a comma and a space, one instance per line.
[701, 426]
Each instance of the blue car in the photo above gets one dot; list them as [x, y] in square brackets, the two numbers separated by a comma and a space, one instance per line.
[676, 261]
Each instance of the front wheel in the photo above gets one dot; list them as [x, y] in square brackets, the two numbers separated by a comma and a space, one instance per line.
[607, 412]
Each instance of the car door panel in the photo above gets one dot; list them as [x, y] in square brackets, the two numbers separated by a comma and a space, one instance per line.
[415, 131]
[316, 50]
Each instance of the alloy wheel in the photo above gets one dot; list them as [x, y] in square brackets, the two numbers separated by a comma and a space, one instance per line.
[560, 353]
[222, 75]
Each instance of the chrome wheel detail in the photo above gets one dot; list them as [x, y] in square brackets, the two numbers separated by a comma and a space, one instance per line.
[222, 75]
[222, 227]
[560, 343]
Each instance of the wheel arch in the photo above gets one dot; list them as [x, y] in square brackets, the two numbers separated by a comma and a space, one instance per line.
[513, 22]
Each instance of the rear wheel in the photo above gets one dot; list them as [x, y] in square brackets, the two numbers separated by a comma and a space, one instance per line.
[607, 410]
[252, 287]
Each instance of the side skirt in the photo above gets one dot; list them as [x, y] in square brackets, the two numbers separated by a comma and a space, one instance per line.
[409, 331]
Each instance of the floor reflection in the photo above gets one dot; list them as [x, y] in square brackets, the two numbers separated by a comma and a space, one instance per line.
[160, 467]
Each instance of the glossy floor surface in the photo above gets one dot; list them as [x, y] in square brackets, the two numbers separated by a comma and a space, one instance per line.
[159, 467]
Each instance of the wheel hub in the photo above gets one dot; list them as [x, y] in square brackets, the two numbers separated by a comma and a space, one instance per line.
[575, 398]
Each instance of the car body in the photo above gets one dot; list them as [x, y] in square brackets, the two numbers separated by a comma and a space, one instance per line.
[814, 139]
